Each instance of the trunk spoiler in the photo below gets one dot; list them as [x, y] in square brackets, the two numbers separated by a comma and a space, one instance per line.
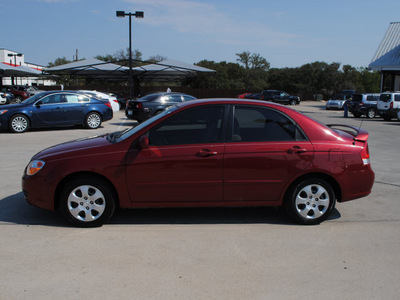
[359, 135]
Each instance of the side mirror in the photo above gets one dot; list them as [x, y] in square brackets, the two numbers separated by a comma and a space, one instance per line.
[143, 142]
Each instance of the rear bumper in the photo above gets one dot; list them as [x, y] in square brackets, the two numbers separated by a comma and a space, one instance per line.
[136, 115]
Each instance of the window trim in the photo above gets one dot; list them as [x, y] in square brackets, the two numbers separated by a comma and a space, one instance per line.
[229, 135]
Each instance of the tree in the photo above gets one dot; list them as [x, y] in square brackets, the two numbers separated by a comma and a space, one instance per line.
[254, 64]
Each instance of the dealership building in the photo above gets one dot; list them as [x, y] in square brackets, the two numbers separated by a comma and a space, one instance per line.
[11, 59]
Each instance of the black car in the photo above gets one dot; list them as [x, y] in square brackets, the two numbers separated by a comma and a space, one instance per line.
[150, 105]
[364, 104]
[280, 97]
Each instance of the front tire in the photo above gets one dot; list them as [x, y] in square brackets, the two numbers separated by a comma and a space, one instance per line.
[310, 202]
[93, 120]
[87, 202]
[19, 124]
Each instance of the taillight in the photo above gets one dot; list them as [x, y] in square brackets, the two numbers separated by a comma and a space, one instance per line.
[108, 104]
[391, 104]
[365, 155]
[139, 105]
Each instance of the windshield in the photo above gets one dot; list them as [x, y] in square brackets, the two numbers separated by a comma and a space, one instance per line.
[32, 88]
[34, 98]
[117, 137]
[357, 97]
[385, 97]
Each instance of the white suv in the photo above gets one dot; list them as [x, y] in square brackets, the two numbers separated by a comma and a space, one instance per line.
[389, 105]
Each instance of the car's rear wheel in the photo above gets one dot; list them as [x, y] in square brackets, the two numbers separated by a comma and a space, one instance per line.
[371, 113]
[386, 118]
[311, 201]
[93, 120]
[87, 202]
[19, 123]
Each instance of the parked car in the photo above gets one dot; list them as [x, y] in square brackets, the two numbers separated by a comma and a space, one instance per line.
[152, 104]
[6, 96]
[121, 98]
[243, 96]
[364, 105]
[255, 96]
[389, 105]
[3, 98]
[54, 109]
[22, 92]
[203, 153]
[279, 97]
[337, 101]
[100, 95]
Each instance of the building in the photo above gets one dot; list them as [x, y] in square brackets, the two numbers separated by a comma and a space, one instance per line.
[14, 59]
[387, 58]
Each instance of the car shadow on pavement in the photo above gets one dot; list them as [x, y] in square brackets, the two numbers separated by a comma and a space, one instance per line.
[14, 209]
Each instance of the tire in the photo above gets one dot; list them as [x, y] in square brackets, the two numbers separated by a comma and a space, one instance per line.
[371, 113]
[87, 202]
[18, 99]
[310, 202]
[93, 120]
[293, 102]
[19, 124]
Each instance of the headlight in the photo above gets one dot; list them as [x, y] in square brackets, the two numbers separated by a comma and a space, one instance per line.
[34, 167]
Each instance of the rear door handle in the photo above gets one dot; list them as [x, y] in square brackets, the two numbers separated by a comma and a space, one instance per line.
[296, 150]
[206, 153]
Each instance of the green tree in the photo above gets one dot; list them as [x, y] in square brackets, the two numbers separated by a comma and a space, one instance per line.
[255, 67]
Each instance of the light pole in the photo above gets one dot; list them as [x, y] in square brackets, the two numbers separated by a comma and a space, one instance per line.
[15, 63]
[137, 14]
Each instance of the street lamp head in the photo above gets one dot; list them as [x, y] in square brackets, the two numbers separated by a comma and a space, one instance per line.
[139, 14]
[18, 54]
[120, 14]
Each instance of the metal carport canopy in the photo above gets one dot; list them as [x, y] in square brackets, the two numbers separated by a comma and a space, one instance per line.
[166, 70]
[20, 71]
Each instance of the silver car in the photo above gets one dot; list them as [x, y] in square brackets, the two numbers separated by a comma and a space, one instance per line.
[337, 101]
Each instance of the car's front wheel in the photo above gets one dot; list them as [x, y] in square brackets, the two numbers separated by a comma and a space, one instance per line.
[19, 123]
[87, 201]
[293, 102]
[93, 120]
[311, 201]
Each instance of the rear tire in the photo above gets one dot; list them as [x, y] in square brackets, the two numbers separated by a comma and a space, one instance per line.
[310, 202]
[93, 120]
[371, 113]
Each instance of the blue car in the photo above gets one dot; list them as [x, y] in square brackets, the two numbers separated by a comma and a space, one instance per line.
[54, 109]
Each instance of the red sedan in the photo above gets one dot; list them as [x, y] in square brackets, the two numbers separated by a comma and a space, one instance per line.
[206, 153]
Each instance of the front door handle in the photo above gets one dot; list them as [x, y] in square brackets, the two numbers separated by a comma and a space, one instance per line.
[296, 150]
[206, 153]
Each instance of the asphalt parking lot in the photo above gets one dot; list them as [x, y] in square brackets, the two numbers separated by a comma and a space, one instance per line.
[229, 253]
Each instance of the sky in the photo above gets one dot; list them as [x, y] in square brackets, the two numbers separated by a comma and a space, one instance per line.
[287, 33]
